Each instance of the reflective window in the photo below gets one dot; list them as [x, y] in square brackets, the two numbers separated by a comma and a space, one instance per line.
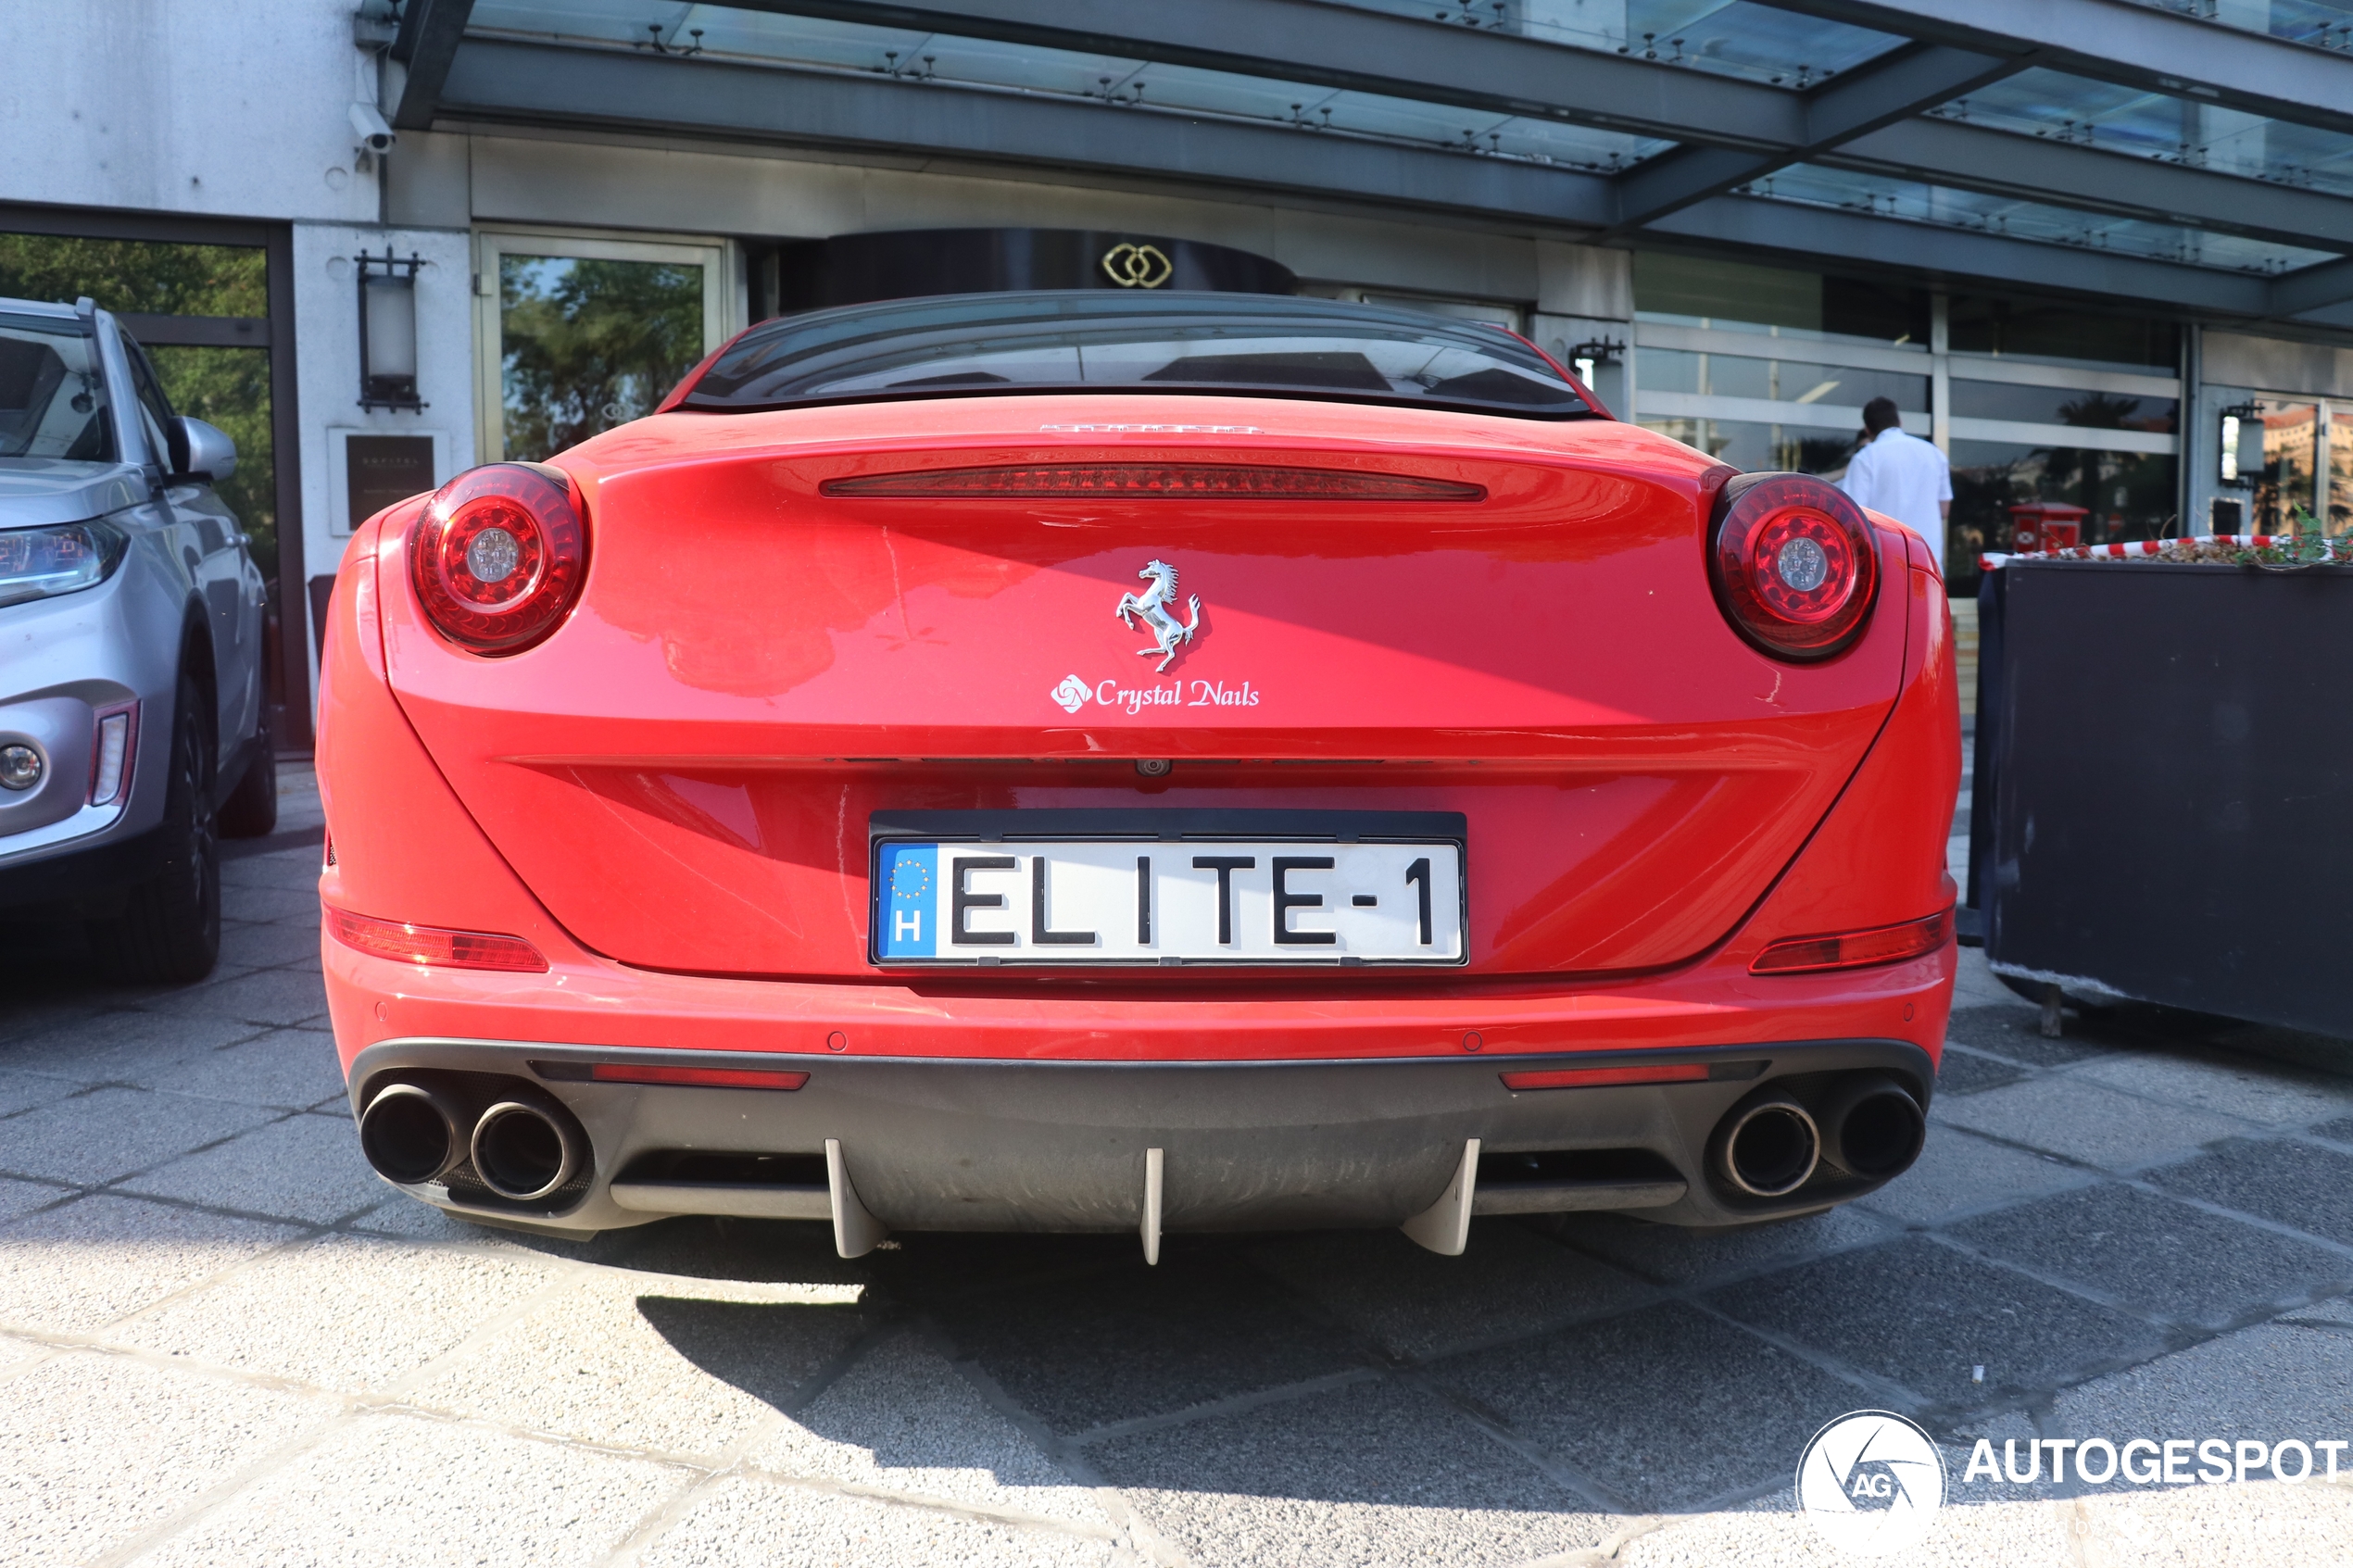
[2341, 469]
[586, 333]
[225, 387]
[1752, 447]
[1704, 292]
[1261, 344]
[2283, 487]
[1783, 381]
[2062, 333]
[53, 395]
[2125, 496]
[585, 344]
[155, 412]
[2063, 406]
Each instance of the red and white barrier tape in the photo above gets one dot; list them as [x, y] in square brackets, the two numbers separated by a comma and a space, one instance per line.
[2337, 551]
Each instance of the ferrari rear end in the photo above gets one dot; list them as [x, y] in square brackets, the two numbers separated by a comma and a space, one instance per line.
[1077, 762]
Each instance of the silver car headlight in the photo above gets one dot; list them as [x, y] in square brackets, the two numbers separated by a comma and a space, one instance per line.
[38, 563]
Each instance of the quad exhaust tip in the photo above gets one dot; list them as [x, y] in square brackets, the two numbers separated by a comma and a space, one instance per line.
[1769, 1148]
[409, 1134]
[1876, 1129]
[521, 1152]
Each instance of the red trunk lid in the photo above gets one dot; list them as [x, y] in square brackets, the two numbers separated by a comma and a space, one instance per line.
[685, 771]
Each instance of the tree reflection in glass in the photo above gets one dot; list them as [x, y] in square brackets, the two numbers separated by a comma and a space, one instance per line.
[588, 345]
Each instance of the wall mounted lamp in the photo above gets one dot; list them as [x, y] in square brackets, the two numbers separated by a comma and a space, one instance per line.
[1593, 354]
[2234, 422]
[388, 330]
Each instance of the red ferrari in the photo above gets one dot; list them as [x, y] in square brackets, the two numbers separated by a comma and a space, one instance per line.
[1090, 762]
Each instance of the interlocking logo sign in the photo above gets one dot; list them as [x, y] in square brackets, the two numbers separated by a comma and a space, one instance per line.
[1138, 267]
[1072, 694]
[1871, 1482]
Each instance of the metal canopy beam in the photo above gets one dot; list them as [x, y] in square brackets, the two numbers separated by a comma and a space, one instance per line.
[2314, 288]
[2003, 163]
[427, 42]
[1812, 234]
[1344, 47]
[496, 80]
[1875, 95]
[2132, 44]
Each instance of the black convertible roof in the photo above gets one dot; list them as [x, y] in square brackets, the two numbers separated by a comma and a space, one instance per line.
[1098, 340]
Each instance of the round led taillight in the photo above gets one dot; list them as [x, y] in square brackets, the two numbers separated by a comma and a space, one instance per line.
[499, 555]
[1794, 563]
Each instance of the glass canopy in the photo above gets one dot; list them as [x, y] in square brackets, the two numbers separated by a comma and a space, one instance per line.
[2120, 119]
[815, 44]
[1888, 197]
[1735, 38]
[2299, 21]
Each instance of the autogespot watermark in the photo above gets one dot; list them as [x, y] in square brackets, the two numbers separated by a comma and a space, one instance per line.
[1872, 1480]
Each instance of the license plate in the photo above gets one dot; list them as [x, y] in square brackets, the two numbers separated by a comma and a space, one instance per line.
[1119, 888]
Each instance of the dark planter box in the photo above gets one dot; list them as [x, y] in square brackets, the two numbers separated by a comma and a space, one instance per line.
[2163, 801]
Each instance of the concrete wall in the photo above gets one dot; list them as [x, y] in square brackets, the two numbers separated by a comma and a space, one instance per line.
[185, 106]
[327, 310]
[451, 180]
[2279, 365]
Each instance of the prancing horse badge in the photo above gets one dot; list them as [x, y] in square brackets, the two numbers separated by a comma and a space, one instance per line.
[1168, 633]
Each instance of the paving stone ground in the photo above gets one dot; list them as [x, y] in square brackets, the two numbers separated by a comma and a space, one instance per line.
[222, 1341]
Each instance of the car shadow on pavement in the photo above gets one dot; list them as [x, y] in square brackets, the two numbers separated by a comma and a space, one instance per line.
[2120, 1230]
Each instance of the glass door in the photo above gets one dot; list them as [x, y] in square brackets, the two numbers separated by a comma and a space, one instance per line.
[578, 334]
[2338, 434]
[2285, 486]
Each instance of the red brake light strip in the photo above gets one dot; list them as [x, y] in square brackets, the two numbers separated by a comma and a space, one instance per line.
[1209, 481]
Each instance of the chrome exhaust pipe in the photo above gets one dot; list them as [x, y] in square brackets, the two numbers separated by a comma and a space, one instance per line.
[1876, 1129]
[1768, 1148]
[522, 1152]
[409, 1134]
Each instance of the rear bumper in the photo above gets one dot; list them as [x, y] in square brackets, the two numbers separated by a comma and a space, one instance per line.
[1012, 1146]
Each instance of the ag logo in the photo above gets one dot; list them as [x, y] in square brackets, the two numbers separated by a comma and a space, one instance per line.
[1072, 694]
[1871, 1482]
[1138, 267]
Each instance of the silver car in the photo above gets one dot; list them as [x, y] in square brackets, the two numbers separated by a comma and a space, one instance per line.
[133, 729]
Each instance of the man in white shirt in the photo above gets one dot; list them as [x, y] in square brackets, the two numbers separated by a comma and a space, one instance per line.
[1901, 475]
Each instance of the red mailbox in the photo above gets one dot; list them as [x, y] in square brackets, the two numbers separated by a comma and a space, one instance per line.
[2046, 525]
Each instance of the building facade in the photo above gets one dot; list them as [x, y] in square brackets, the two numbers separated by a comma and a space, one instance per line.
[2094, 249]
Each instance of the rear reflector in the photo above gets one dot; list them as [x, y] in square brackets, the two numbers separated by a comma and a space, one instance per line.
[1200, 482]
[1854, 949]
[695, 1077]
[431, 946]
[1598, 1077]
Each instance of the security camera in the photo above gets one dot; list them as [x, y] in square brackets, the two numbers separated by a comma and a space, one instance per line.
[374, 134]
